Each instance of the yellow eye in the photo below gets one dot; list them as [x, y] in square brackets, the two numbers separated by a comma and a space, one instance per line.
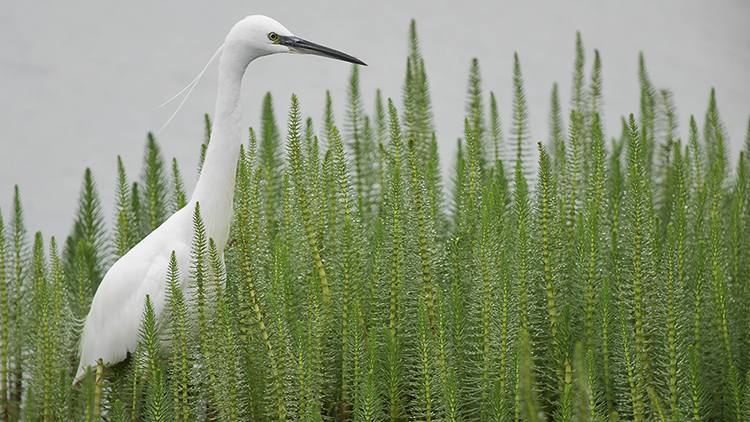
[273, 36]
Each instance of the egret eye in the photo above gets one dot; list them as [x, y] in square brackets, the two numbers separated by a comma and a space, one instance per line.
[273, 36]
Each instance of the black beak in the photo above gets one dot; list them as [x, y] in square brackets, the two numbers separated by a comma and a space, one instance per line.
[298, 45]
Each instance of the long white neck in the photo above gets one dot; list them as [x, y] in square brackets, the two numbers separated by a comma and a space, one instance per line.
[215, 187]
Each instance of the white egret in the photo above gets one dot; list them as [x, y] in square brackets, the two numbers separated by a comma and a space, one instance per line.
[110, 330]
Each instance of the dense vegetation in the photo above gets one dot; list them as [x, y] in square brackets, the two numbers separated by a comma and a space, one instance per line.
[608, 281]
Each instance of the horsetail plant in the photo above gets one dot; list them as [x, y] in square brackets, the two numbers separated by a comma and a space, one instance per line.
[179, 197]
[149, 356]
[546, 213]
[5, 321]
[206, 139]
[124, 238]
[155, 186]
[296, 163]
[180, 327]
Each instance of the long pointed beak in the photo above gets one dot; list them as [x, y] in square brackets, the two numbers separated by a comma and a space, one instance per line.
[298, 45]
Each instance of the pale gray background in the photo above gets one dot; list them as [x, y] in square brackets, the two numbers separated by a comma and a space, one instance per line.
[80, 80]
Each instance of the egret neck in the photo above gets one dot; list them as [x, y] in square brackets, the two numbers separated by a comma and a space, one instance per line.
[215, 187]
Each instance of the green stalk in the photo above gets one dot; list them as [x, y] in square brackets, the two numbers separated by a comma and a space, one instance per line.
[369, 407]
[572, 178]
[680, 234]
[381, 130]
[672, 323]
[638, 190]
[565, 405]
[207, 128]
[123, 233]
[179, 332]
[227, 370]
[296, 162]
[155, 183]
[701, 196]
[546, 206]
[487, 307]
[496, 129]
[578, 96]
[746, 398]
[179, 196]
[595, 198]
[394, 378]
[354, 113]
[270, 156]
[246, 253]
[606, 312]
[526, 384]
[40, 367]
[395, 190]
[588, 380]
[635, 392]
[359, 336]
[199, 269]
[734, 401]
[557, 136]
[520, 127]
[5, 327]
[697, 390]
[347, 258]
[459, 316]
[449, 385]
[659, 414]
[97, 407]
[522, 245]
[717, 264]
[18, 245]
[423, 249]
[475, 110]
[302, 367]
[505, 333]
[425, 369]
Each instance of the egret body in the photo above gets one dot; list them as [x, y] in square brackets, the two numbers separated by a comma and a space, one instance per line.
[110, 330]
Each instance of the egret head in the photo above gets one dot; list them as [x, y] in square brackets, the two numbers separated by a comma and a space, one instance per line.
[260, 36]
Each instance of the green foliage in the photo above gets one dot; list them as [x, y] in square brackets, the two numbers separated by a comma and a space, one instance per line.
[578, 96]
[86, 251]
[417, 117]
[475, 110]
[154, 185]
[206, 139]
[51, 332]
[180, 327]
[520, 128]
[647, 118]
[496, 131]
[16, 285]
[4, 314]
[179, 197]
[271, 156]
[124, 225]
[610, 284]
[362, 142]
[146, 205]
[150, 360]
[556, 133]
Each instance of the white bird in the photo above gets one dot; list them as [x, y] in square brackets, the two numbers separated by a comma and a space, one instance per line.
[110, 330]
